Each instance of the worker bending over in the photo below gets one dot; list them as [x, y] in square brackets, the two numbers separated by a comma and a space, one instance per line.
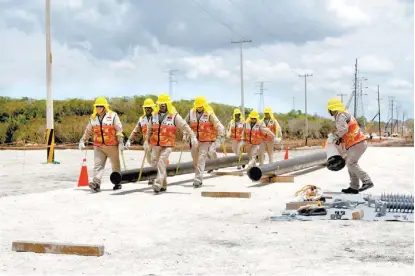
[106, 128]
[140, 130]
[235, 132]
[161, 135]
[253, 134]
[349, 133]
[267, 141]
[207, 128]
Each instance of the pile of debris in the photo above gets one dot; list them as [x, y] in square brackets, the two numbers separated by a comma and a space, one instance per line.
[311, 203]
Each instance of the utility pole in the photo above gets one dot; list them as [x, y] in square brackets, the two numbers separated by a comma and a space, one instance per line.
[403, 120]
[380, 134]
[242, 73]
[261, 96]
[50, 135]
[355, 90]
[293, 103]
[305, 102]
[171, 80]
[341, 96]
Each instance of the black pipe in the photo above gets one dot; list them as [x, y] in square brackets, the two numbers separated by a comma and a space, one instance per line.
[184, 168]
[289, 165]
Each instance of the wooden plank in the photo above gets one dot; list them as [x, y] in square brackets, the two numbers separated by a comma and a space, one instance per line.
[228, 173]
[358, 214]
[227, 194]
[278, 179]
[58, 248]
[296, 205]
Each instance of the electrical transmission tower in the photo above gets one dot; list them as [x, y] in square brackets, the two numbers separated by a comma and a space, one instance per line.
[261, 96]
[360, 94]
[341, 96]
[171, 80]
[390, 114]
[305, 103]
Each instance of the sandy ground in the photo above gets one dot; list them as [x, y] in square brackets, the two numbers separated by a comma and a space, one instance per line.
[182, 233]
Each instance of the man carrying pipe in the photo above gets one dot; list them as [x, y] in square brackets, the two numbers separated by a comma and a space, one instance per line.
[106, 128]
[161, 135]
[235, 131]
[267, 141]
[349, 133]
[207, 128]
[140, 130]
[253, 135]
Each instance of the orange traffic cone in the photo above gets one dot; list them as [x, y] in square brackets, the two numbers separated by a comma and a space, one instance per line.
[83, 177]
[286, 154]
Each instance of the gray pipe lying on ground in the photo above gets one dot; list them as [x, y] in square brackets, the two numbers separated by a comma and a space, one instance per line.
[148, 173]
[286, 166]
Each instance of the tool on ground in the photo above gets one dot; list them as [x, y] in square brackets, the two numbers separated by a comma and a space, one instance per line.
[309, 193]
[142, 165]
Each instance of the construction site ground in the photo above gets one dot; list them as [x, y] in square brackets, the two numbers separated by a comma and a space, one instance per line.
[182, 233]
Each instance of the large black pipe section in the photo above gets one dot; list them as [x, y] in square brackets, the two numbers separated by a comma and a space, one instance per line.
[286, 166]
[148, 173]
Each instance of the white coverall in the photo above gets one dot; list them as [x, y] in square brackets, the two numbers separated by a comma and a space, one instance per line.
[200, 153]
[353, 153]
[103, 152]
[268, 145]
[160, 155]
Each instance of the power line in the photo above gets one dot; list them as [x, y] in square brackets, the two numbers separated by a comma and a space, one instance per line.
[305, 103]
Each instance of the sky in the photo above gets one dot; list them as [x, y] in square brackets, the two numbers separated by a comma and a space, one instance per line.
[117, 48]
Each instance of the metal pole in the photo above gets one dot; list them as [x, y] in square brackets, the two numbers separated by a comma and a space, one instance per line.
[355, 91]
[242, 74]
[50, 136]
[305, 103]
[380, 133]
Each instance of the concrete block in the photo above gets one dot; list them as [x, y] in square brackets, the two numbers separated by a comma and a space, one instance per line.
[58, 248]
[227, 194]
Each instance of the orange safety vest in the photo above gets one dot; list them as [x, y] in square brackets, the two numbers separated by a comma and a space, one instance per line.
[236, 130]
[354, 135]
[144, 122]
[164, 133]
[271, 125]
[204, 129]
[104, 130]
[253, 135]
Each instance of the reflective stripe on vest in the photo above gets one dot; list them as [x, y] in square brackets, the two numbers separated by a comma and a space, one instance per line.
[203, 128]
[236, 130]
[164, 134]
[354, 135]
[104, 131]
[252, 135]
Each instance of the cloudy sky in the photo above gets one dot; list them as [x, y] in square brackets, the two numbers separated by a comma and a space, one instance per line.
[125, 47]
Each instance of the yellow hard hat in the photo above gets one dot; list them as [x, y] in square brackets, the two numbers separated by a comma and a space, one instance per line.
[236, 111]
[149, 103]
[200, 101]
[335, 104]
[163, 99]
[101, 101]
[254, 114]
[268, 110]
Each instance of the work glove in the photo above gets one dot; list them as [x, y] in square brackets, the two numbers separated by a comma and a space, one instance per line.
[194, 142]
[185, 138]
[128, 144]
[146, 146]
[277, 140]
[81, 145]
[228, 135]
[121, 145]
[332, 138]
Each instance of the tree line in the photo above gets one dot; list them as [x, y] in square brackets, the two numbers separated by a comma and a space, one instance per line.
[24, 120]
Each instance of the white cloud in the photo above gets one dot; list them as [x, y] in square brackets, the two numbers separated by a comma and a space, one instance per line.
[349, 15]
[399, 84]
[374, 64]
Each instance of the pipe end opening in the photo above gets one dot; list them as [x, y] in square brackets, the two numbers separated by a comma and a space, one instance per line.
[115, 178]
[254, 173]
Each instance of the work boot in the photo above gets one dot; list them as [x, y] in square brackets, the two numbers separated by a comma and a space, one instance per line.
[209, 171]
[163, 189]
[156, 187]
[350, 191]
[197, 184]
[151, 182]
[94, 186]
[366, 186]
[117, 187]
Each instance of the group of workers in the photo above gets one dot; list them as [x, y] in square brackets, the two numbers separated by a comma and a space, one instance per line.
[160, 122]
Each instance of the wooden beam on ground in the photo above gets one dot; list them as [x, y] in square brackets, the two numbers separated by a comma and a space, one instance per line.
[58, 248]
[296, 205]
[227, 194]
[277, 179]
[228, 173]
